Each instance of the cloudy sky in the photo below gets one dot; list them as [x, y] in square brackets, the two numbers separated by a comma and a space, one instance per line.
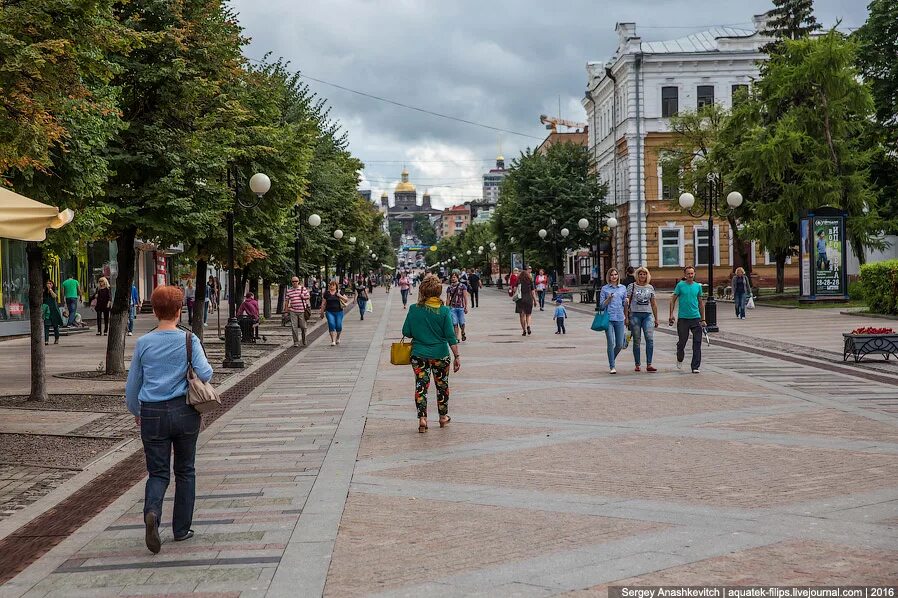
[499, 63]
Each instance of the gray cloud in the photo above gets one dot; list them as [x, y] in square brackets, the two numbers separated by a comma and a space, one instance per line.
[499, 63]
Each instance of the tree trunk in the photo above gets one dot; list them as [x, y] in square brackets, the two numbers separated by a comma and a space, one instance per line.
[118, 320]
[282, 291]
[35, 299]
[266, 298]
[739, 244]
[254, 286]
[199, 300]
[780, 272]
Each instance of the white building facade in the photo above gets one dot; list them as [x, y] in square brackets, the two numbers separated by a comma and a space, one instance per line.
[628, 102]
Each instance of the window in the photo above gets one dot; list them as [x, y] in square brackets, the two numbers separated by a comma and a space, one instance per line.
[704, 95]
[739, 92]
[701, 246]
[669, 101]
[669, 180]
[671, 247]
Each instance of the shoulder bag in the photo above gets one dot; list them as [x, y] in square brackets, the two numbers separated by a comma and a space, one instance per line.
[600, 321]
[202, 396]
[401, 353]
[516, 296]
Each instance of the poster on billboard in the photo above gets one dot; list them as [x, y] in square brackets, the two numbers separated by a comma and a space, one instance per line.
[827, 246]
[517, 261]
[805, 227]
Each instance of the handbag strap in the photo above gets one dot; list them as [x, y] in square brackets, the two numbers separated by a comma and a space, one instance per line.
[189, 343]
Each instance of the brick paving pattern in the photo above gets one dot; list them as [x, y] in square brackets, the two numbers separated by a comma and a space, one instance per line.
[554, 478]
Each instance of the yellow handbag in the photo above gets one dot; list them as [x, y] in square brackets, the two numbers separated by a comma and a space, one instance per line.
[401, 353]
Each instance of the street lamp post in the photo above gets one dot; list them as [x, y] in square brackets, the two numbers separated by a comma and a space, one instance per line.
[710, 204]
[259, 184]
[314, 221]
[583, 224]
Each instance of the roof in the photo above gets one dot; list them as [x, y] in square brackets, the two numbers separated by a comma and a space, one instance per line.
[703, 41]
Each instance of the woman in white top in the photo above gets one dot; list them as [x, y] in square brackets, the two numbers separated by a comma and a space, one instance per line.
[642, 315]
[542, 283]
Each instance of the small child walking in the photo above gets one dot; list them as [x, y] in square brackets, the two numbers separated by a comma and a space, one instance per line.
[560, 315]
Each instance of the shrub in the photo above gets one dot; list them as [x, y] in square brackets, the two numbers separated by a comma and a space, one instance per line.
[855, 290]
[879, 286]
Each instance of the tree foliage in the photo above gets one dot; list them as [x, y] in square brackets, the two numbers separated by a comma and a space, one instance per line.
[796, 144]
[789, 19]
[541, 187]
[424, 230]
[877, 48]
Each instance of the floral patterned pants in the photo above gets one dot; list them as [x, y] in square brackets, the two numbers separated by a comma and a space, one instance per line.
[440, 369]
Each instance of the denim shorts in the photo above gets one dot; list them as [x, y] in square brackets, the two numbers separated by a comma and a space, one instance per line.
[458, 316]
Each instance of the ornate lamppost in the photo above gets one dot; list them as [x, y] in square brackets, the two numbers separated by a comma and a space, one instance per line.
[259, 184]
[710, 195]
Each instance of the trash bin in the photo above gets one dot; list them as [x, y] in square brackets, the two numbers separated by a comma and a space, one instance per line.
[246, 329]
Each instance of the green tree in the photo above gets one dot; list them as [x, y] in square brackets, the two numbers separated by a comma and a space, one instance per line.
[395, 232]
[877, 47]
[57, 112]
[694, 158]
[789, 19]
[796, 143]
[424, 230]
[541, 187]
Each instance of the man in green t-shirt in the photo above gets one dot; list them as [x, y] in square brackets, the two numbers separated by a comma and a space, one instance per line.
[71, 290]
[691, 317]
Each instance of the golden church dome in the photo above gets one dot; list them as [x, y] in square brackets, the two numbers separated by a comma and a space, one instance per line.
[404, 186]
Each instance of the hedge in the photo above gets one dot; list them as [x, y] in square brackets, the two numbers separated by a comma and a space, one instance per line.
[880, 286]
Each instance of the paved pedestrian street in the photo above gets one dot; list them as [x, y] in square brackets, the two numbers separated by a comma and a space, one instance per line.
[554, 478]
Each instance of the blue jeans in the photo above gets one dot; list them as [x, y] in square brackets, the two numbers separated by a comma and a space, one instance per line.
[363, 303]
[541, 295]
[404, 293]
[614, 334]
[132, 313]
[71, 304]
[740, 299]
[334, 321]
[164, 426]
[643, 322]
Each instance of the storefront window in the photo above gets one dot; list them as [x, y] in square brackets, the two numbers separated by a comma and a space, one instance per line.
[101, 262]
[13, 281]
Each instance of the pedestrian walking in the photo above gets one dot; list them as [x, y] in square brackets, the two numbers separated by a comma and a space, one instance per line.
[513, 281]
[690, 317]
[315, 294]
[741, 285]
[524, 306]
[641, 313]
[630, 278]
[208, 304]
[560, 316]
[404, 286]
[611, 299]
[429, 325]
[102, 301]
[296, 301]
[134, 301]
[156, 394]
[50, 313]
[71, 292]
[361, 297]
[457, 301]
[332, 307]
[474, 286]
[542, 283]
[190, 300]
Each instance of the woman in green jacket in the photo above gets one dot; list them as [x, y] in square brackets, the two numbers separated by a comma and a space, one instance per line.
[429, 325]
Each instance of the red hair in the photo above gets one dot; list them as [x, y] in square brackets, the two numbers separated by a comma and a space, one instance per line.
[167, 301]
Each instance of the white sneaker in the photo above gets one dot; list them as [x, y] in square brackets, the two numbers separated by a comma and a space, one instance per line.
[130, 334]
[679, 365]
[695, 371]
[612, 371]
[333, 344]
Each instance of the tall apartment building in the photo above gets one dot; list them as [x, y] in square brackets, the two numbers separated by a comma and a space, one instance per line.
[628, 101]
[455, 220]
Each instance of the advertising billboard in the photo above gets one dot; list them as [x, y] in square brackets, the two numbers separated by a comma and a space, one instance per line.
[827, 247]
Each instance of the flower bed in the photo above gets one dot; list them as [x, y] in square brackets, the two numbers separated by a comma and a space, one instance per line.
[867, 340]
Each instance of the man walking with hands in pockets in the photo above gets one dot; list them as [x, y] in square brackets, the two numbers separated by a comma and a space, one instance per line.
[297, 302]
[691, 314]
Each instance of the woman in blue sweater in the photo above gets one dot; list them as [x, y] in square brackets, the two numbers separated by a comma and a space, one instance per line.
[156, 394]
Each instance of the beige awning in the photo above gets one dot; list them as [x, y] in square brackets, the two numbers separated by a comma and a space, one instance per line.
[28, 220]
